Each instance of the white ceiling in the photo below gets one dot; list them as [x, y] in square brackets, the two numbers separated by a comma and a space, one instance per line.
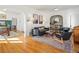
[38, 7]
[52, 7]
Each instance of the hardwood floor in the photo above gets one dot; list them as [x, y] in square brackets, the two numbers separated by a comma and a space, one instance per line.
[76, 47]
[28, 46]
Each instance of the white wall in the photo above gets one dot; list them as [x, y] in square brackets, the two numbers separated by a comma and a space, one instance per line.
[20, 22]
[67, 15]
[63, 14]
[70, 17]
[19, 16]
[30, 25]
[28, 13]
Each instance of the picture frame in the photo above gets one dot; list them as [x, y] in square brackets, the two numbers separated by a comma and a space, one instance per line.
[35, 17]
[40, 19]
[3, 16]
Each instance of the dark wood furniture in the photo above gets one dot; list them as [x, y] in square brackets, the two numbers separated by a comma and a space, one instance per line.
[76, 34]
[4, 30]
[5, 26]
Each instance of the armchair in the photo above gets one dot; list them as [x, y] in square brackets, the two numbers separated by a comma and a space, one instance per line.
[64, 36]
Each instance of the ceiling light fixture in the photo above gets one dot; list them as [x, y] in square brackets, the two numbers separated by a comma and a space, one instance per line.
[1, 12]
[4, 9]
[56, 9]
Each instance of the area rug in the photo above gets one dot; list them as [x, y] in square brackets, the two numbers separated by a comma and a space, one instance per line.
[13, 38]
[51, 41]
[2, 37]
[12, 34]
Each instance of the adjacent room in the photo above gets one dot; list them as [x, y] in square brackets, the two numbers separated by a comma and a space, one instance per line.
[39, 28]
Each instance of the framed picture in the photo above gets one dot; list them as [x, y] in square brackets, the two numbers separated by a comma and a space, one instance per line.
[35, 17]
[2, 16]
[40, 19]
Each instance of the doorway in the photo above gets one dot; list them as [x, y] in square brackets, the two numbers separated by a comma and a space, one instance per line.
[8, 31]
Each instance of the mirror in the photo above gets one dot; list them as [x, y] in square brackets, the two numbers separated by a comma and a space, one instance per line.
[56, 22]
[57, 19]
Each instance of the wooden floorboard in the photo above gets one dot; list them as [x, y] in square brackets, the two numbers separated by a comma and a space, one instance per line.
[28, 46]
[76, 47]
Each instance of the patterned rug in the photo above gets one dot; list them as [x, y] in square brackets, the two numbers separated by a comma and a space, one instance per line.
[12, 34]
[13, 38]
[49, 40]
[2, 37]
[67, 45]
